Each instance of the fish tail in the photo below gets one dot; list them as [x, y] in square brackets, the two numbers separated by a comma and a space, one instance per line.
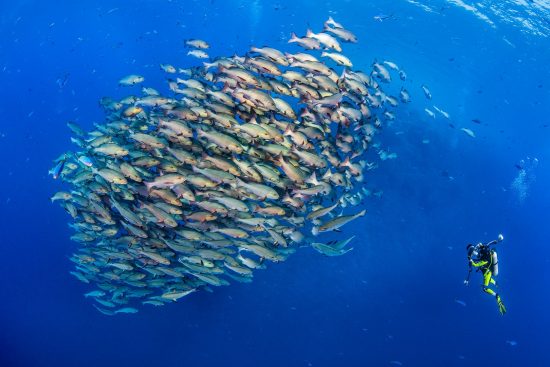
[312, 179]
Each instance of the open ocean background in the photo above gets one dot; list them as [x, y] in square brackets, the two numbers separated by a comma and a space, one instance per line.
[392, 300]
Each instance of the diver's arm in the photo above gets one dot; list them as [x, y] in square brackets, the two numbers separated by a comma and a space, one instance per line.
[478, 264]
[494, 242]
[467, 280]
[474, 264]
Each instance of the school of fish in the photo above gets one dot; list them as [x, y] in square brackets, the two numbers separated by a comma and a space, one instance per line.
[246, 159]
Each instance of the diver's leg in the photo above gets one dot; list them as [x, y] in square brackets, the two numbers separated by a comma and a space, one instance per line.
[488, 279]
[489, 291]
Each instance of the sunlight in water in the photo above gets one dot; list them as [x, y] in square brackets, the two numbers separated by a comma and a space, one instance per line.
[529, 16]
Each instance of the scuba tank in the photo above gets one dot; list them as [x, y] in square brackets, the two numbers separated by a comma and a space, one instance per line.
[494, 256]
[494, 263]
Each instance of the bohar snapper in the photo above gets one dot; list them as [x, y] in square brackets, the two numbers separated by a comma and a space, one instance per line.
[247, 154]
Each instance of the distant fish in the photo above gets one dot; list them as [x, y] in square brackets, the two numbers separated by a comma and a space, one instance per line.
[75, 128]
[175, 295]
[402, 75]
[512, 343]
[468, 132]
[325, 39]
[94, 294]
[62, 81]
[508, 42]
[404, 95]
[382, 17]
[445, 114]
[131, 80]
[328, 250]
[332, 22]
[477, 121]
[56, 171]
[85, 160]
[396, 363]
[339, 31]
[305, 42]
[199, 54]
[429, 112]
[168, 68]
[338, 58]
[462, 303]
[149, 91]
[104, 311]
[337, 222]
[426, 91]
[391, 65]
[446, 174]
[197, 44]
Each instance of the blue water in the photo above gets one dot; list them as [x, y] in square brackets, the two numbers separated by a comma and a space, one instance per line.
[389, 301]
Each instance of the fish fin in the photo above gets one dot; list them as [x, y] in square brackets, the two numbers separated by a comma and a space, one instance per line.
[226, 88]
[343, 75]
[288, 130]
[312, 179]
[346, 162]
[315, 230]
[327, 175]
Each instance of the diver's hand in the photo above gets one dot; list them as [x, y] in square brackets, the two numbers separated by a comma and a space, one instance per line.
[466, 282]
[500, 237]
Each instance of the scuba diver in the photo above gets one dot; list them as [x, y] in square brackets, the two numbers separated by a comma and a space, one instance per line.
[485, 259]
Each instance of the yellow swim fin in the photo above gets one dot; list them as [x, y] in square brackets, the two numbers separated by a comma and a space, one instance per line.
[501, 307]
